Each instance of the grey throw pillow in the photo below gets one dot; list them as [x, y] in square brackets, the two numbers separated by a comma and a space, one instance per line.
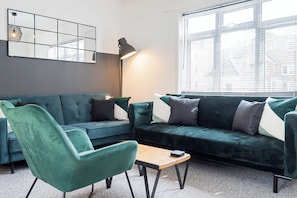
[247, 116]
[183, 111]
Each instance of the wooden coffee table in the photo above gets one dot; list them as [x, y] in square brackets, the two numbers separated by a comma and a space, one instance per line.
[159, 159]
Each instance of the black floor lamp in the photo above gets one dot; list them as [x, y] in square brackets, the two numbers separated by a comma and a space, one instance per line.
[125, 51]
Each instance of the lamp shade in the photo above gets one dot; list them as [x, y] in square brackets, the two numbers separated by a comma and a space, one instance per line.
[125, 50]
[14, 33]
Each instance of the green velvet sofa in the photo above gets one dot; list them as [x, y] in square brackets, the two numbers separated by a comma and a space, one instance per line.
[214, 138]
[70, 111]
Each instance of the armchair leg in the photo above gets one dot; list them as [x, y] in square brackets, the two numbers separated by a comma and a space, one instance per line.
[129, 184]
[64, 193]
[31, 187]
[108, 182]
[91, 191]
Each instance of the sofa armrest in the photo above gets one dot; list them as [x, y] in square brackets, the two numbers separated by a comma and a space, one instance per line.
[290, 150]
[3, 141]
[140, 114]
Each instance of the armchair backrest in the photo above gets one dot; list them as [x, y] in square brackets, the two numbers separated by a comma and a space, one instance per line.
[44, 144]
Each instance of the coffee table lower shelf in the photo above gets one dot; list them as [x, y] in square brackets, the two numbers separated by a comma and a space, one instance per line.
[159, 159]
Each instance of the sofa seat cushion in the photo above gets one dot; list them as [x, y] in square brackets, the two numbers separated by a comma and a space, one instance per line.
[104, 129]
[233, 145]
[70, 127]
[13, 144]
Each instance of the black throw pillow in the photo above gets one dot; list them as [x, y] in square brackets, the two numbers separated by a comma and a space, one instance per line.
[102, 110]
[183, 111]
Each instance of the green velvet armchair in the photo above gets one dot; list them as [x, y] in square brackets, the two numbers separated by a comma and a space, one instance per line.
[65, 160]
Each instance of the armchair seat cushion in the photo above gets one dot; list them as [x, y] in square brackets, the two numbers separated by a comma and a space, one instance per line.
[233, 145]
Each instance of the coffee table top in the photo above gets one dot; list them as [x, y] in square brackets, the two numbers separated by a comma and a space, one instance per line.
[157, 158]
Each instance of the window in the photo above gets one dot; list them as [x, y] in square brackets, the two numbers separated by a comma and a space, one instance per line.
[244, 47]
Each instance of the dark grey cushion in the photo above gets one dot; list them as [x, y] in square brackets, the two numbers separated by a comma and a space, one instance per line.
[102, 109]
[247, 116]
[183, 111]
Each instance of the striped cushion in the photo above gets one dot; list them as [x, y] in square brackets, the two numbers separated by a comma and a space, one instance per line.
[161, 107]
[120, 107]
[272, 120]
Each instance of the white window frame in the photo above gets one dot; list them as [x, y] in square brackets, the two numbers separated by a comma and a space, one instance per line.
[259, 26]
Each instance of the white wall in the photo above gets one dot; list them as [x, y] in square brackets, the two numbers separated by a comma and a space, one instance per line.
[152, 27]
[104, 14]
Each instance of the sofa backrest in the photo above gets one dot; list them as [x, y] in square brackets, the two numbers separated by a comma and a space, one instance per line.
[51, 103]
[78, 107]
[219, 111]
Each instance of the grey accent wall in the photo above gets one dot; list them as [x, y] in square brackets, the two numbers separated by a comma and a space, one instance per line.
[26, 76]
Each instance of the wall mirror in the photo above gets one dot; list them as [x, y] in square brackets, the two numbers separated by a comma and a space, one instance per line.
[36, 36]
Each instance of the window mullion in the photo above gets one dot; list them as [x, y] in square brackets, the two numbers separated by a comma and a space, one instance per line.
[259, 50]
[217, 54]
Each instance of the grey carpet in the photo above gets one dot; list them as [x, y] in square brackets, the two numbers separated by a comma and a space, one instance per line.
[205, 180]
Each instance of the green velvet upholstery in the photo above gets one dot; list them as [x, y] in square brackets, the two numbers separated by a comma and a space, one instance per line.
[215, 138]
[68, 160]
[218, 111]
[71, 111]
[4, 156]
[234, 145]
[140, 114]
[290, 159]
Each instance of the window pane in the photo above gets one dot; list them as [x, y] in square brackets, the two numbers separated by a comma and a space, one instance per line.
[237, 17]
[238, 61]
[202, 65]
[280, 58]
[279, 8]
[201, 23]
